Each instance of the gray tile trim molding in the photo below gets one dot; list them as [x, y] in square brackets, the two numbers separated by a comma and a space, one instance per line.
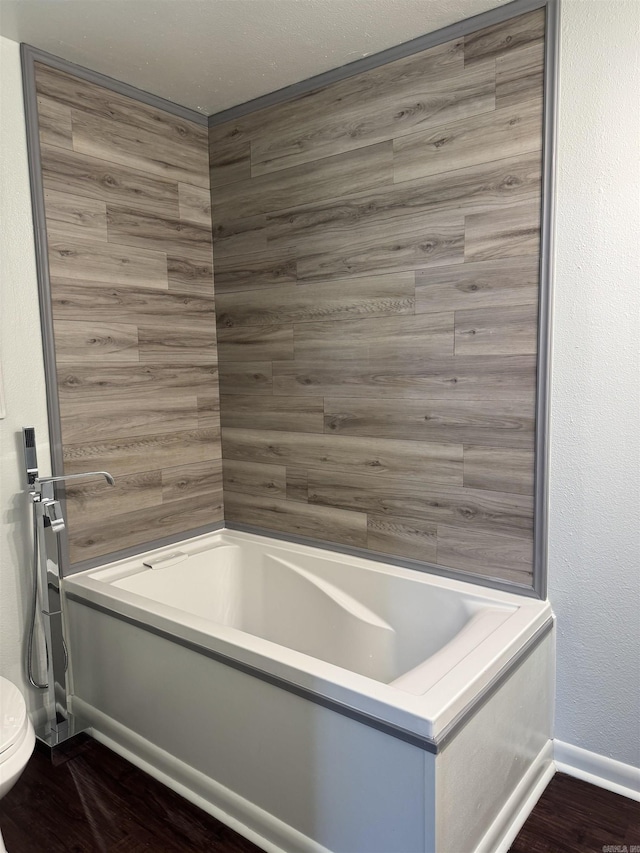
[453, 31]
[422, 742]
[29, 56]
[34, 54]
[541, 487]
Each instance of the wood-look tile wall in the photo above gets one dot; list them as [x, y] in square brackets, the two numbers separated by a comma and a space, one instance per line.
[129, 229]
[376, 251]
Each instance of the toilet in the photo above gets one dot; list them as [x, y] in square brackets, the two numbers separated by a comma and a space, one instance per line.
[17, 737]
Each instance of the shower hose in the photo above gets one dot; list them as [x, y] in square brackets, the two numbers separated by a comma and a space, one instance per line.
[34, 609]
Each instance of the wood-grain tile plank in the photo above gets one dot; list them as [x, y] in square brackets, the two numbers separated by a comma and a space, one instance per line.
[95, 100]
[150, 231]
[129, 455]
[485, 284]
[504, 423]
[510, 330]
[508, 132]
[473, 189]
[253, 271]
[502, 234]
[488, 554]
[91, 500]
[499, 39]
[76, 299]
[138, 148]
[82, 260]
[293, 117]
[499, 469]
[483, 510]
[72, 217]
[177, 343]
[327, 524]
[402, 537]
[198, 480]
[431, 462]
[255, 343]
[129, 529]
[78, 341]
[194, 204]
[435, 243]
[54, 123]
[239, 237]
[368, 296]
[128, 415]
[189, 275]
[229, 157]
[90, 177]
[255, 478]
[374, 106]
[246, 377]
[341, 174]
[297, 484]
[209, 408]
[520, 76]
[455, 378]
[300, 414]
[120, 381]
[405, 338]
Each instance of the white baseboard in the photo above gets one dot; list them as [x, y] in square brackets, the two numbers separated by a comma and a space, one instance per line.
[511, 818]
[597, 769]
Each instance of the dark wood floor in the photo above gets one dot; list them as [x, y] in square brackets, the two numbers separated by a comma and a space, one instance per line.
[97, 801]
[575, 817]
[92, 800]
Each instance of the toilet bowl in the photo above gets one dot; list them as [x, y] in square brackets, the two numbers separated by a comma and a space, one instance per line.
[17, 737]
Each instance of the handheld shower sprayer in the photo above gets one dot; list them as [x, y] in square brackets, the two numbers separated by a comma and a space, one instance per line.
[30, 455]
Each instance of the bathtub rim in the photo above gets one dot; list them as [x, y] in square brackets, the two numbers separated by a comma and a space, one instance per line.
[431, 744]
[428, 720]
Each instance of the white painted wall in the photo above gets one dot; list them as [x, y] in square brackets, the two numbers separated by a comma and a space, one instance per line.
[594, 546]
[594, 531]
[21, 358]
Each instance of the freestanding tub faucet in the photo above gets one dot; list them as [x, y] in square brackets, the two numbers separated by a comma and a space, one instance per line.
[48, 523]
[43, 493]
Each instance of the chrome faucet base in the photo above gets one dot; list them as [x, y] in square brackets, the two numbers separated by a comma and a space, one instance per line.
[65, 730]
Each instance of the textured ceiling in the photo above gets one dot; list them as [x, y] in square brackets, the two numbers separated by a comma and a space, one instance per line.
[214, 54]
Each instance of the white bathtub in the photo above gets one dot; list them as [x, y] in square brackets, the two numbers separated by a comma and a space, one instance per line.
[317, 701]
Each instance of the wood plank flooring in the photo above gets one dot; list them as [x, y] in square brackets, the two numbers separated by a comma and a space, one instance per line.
[92, 800]
[376, 252]
[575, 817]
[130, 259]
[96, 802]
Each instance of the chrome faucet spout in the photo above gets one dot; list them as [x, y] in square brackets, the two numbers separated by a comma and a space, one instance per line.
[82, 476]
[42, 487]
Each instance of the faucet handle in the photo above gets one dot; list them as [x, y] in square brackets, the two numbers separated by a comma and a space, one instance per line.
[53, 513]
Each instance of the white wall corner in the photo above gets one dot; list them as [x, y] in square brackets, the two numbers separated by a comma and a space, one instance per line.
[597, 769]
[23, 377]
